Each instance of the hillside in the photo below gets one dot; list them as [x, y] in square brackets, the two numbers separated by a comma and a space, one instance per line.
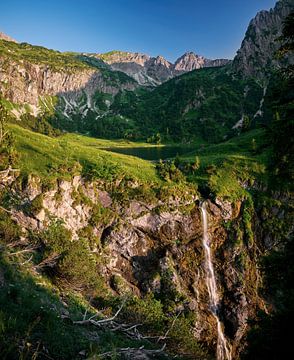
[106, 255]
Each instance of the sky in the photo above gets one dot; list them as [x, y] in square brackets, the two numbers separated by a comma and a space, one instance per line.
[213, 28]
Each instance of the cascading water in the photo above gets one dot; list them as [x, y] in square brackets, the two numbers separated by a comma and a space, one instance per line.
[223, 349]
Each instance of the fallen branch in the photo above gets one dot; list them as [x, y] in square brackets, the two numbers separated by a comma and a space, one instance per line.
[22, 251]
[8, 211]
[99, 322]
[21, 242]
[50, 261]
[132, 351]
[169, 329]
[27, 261]
[7, 171]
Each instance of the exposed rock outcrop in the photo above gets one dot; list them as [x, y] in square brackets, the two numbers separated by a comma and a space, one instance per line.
[146, 249]
[257, 53]
[26, 82]
[152, 71]
[191, 61]
[6, 37]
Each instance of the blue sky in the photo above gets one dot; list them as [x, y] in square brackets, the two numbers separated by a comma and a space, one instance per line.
[213, 28]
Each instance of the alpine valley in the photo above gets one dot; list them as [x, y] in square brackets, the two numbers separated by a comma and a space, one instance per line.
[146, 207]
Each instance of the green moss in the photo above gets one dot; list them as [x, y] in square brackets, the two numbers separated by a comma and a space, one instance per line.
[87, 233]
[9, 230]
[247, 217]
[100, 216]
[36, 204]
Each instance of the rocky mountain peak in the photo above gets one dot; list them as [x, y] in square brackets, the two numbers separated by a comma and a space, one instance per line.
[6, 37]
[160, 60]
[257, 52]
[147, 70]
[189, 61]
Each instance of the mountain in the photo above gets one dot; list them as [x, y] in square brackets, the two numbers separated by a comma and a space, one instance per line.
[43, 78]
[190, 61]
[108, 256]
[210, 103]
[152, 71]
[256, 55]
[6, 37]
[119, 94]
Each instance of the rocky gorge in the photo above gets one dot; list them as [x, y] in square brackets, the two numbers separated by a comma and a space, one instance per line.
[156, 247]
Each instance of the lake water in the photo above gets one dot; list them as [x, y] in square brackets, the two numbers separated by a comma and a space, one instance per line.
[153, 153]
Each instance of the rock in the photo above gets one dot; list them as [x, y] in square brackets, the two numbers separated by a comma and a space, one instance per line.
[152, 71]
[27, 82]
[104, 198]
[260, 44]
[144, 250]
[41, 215]
[190, 61]
[226, 208]
[6, 37]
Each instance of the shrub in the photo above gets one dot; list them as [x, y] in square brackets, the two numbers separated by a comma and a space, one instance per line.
[9, 229]
[37, 204]
[147, 310]
[169, 172]
[71, 261]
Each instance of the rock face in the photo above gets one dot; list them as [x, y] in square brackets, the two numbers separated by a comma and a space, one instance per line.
[6, 37]
[191, 61]
[152, 71]
[25, 82]
[143, 68]
[145, 249]
[257, 53]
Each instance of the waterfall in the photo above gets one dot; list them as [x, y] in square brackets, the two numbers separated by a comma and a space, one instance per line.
[223, 350]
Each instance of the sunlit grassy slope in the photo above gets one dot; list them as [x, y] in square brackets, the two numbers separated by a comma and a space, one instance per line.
[229, 167]
[223, 167]
[39, 153]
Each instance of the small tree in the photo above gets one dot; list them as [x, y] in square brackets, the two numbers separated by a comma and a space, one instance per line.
[196, 165]
[158, 138]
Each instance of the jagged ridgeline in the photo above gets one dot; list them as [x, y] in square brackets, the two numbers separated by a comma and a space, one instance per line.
[84, 92]
[76, 92]
[108, 256]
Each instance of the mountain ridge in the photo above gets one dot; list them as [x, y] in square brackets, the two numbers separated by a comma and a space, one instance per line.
[257, 53]
[153, 71]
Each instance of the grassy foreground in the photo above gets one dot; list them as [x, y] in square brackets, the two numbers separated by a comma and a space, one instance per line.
[43, 155]
[226, 168]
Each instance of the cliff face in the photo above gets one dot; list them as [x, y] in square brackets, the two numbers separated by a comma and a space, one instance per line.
[25, 82]
[152, 71]
[148, 248]
[257, 53]
[190, 61]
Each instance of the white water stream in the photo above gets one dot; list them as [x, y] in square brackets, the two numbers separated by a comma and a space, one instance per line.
[223, 351]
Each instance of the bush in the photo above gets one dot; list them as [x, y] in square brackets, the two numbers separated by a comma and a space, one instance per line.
[147, 310]
[9, 229]
[169, 172]
[30, 322]
[37, 204]
[71, 261]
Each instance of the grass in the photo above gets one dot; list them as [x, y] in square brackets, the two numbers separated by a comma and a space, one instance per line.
[230, 166]
[226, 168]
[41, 55]
[39, 153]
[104, 143]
